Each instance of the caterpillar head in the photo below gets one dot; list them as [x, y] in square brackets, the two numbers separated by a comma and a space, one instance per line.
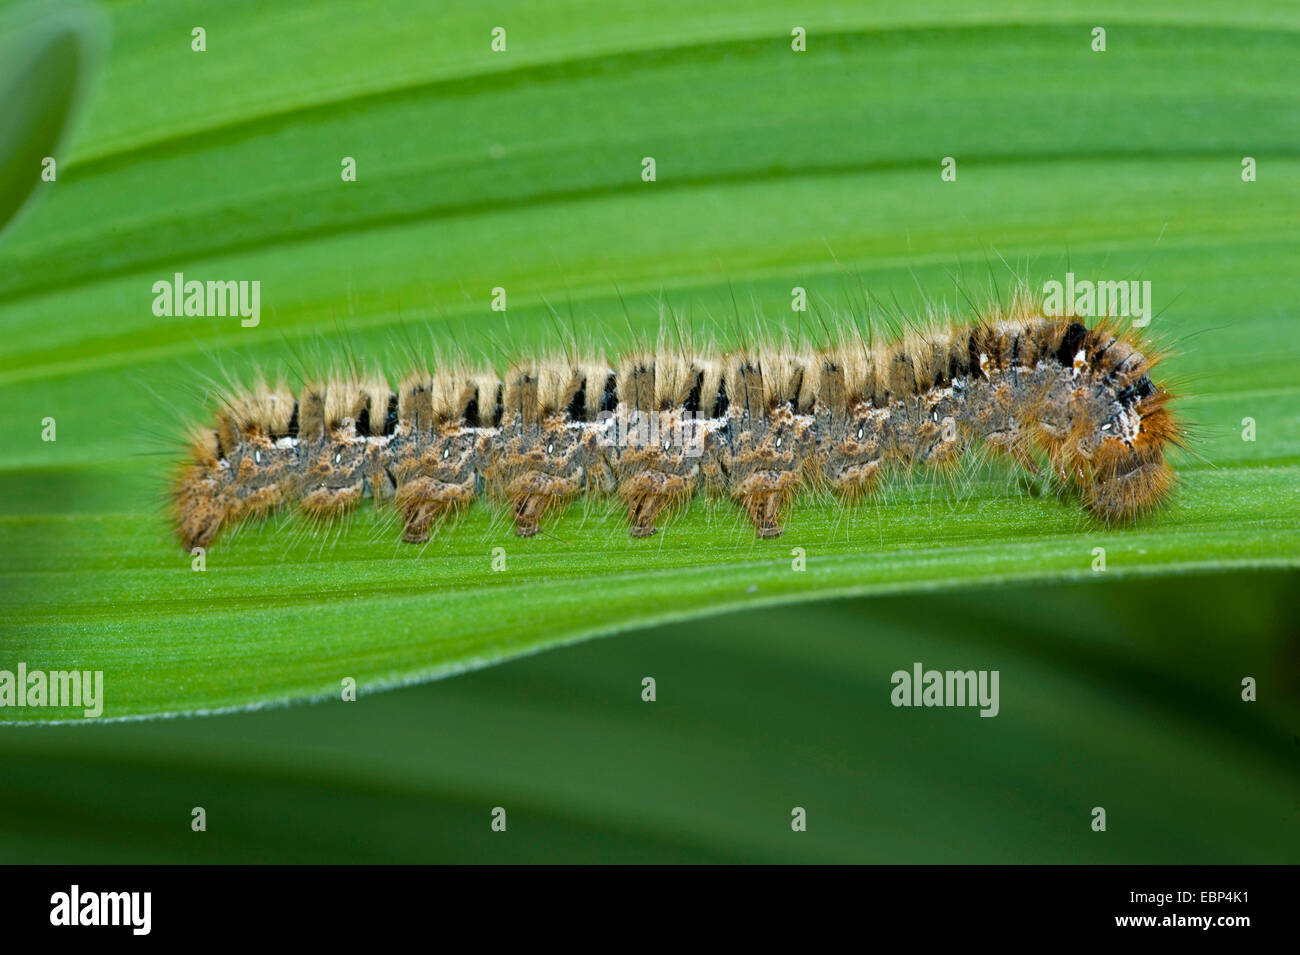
[1127, 473]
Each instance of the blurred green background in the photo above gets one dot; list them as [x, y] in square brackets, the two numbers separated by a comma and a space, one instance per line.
[523, 169]
[1121, 695]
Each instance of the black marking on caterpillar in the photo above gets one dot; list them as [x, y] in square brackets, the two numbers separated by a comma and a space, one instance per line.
[654, 430]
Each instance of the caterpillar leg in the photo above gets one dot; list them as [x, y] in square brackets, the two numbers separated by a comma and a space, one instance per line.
[1127, 485]
[326, 503]
[203, 505]
[535, 494]
[764, 495]
[426, 502]
[648, 494]
[855, 481]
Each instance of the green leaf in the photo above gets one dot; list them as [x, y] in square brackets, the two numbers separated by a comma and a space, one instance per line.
[47, 55]
[1124, 695]
[522, 170]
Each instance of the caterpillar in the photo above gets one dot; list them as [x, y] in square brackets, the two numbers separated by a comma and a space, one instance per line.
[660, 426]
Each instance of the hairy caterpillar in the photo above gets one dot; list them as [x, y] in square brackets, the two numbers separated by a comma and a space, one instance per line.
[656, 428]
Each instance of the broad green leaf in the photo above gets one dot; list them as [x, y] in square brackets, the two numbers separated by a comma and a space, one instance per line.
[1125, 695]
[522, 170]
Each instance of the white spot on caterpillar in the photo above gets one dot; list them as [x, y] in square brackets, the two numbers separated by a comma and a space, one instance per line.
[1130, 423]
[984, 360]
[1080, 363]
